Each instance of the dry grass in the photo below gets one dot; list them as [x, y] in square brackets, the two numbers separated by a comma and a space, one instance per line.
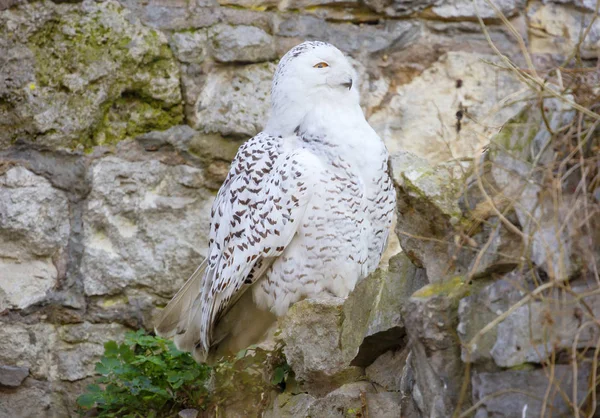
[562, 222]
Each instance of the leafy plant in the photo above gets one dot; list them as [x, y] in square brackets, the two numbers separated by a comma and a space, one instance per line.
[145, 376]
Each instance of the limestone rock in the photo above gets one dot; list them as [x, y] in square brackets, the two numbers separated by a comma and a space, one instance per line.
[34, 230]
[351, 39]
[311, 332]
[234, 101]
[558, 28]
[29, 346]
[398, 8]
[517, 150]
[34, 399]
[190, 47]
[356, 398]
[188, 413]
[211, 151]
[82, 348]
[241, 44]
[422, 115]
[87, 74]
[373, 323]
[531, 332]
[146, 224]
[525, 390]
[427, 211]
[288, 406]
[430, 318]
[12, 376]
[386, 369]
[466, 9]
[482, 307]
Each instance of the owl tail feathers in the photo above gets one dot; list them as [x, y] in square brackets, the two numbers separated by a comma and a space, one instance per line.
[243, 325]
[178, 318]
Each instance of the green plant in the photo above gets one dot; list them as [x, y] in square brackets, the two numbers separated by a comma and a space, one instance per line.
[145, 376]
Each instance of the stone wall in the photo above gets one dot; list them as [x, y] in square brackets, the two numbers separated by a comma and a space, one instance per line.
[117, 124]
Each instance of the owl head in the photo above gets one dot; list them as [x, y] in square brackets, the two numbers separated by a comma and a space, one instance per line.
[311, 75]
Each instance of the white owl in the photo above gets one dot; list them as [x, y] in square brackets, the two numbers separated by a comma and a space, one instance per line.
[305, 210]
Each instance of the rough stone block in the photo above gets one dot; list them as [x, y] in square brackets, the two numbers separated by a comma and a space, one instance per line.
[144, 225]
[13, 376]
[234, 101]
[517, 393]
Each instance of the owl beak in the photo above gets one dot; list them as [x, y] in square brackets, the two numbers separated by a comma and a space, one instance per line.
[348, 84]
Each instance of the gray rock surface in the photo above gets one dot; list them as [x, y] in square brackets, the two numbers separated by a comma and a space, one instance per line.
[234, 102]
[311, 332]
[510, 393]
[421, 116]
[356, 398]
[145, 225]
[34, 230]
[461, 9]
[87, 82]
[428, 207]
[241, 44]
[12, 376]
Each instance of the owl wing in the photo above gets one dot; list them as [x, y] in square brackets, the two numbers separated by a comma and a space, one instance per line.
[254, 217]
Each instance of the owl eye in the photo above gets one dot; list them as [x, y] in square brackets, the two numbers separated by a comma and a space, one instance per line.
[321, 65]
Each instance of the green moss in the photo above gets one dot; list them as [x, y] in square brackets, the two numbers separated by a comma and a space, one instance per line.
[518, 133]
[115, 95]
[129, 116]
[452, 287]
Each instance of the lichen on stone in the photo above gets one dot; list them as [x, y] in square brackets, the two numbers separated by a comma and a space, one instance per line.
[101, 77]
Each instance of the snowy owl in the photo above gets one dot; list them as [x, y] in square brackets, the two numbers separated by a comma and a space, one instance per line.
[305, 210]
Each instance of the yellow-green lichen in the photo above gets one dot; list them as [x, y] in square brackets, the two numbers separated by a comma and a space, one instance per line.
[88, 62]
[451, 287]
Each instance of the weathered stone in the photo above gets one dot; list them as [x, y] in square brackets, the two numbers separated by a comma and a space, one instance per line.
[30, 346]
[288, 406]
[422, 115]
[234, 101]
[311, 332]
[548, 242]
[188, 413]
[533, 331]
[145, 224]
[398, 8]
[13, 376]
[82, 348]
[135, 308]
[33, 399]
[500, 250]
[467, 9]
[352, 39]
[516, 393]
[430, 319]
[372, 320]
[211, 151]
[356, 398]
[97, 76]
[386, 370]
[34, 229]
[241, 44]
[582, 4]
[479, 309]
[557, 28]
[427, 212]
[251, 4]
[190, 47]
